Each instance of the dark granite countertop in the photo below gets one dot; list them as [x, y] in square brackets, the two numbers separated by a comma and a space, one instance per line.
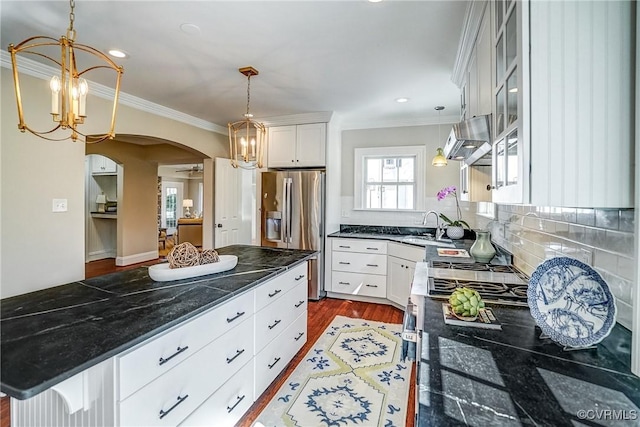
[50, 335]
[486, 377]
[473, 376]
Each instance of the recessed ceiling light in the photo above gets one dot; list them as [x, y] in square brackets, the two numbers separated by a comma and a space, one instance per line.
[375, 1]
[117, 53]
[513, 90]
[401, 100]
[458, 157]
[190, 28]
[469, 146]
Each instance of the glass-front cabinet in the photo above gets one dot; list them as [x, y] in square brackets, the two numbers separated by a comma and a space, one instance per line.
[508, 180]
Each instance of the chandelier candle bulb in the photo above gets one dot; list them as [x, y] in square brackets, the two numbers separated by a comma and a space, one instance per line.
[54, 84]
[84, 89]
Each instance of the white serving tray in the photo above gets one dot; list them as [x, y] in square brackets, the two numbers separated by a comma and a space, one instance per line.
[162, 272]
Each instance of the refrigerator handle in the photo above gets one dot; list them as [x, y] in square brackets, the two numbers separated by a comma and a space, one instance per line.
[289, 209]
[285, 213]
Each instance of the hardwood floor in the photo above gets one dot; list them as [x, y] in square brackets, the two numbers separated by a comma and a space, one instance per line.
[321, 313]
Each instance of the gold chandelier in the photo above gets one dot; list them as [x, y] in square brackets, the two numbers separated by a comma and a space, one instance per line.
[68, 88]
[246, 137]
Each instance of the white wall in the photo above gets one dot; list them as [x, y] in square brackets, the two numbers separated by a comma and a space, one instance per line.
[435, 178]
[39, 248]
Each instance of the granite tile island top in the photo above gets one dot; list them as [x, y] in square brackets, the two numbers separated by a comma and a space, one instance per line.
[50, 335]
[512, 377]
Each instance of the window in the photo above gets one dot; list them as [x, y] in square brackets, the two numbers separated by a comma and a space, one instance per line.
[389, 178]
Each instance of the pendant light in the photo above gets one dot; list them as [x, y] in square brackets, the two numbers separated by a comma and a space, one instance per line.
[439, 159]
[68, 87]
[246, 137]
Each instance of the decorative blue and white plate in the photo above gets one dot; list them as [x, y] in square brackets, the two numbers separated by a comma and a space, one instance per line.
[571, 302]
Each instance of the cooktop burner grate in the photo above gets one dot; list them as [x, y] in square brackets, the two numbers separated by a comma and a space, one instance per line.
[491, 291]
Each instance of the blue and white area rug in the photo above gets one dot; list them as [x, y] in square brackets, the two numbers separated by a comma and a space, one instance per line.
[352, 376]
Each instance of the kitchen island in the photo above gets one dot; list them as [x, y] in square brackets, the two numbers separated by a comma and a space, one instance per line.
[512, 376]
[51, 336]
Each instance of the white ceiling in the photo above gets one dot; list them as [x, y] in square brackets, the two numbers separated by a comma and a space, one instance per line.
[350, 57]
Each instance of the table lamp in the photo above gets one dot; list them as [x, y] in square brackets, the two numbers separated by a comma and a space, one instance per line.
[187, 203]
[100, 201]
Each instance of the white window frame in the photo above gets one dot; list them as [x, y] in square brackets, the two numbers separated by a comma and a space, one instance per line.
[419, 152]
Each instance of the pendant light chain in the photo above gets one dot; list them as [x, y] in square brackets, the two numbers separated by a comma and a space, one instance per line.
[248, 94]
[72, 15]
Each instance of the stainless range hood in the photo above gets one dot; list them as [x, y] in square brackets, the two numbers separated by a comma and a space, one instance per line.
[470, 141]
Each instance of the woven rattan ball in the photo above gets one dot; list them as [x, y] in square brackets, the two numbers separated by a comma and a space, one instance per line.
[183, 255]
[207, 256]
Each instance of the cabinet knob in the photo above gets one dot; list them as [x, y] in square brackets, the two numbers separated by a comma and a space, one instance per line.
[490, 187]
[465, 192]
[219, 225]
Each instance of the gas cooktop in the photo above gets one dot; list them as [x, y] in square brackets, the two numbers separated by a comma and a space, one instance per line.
[500, 284]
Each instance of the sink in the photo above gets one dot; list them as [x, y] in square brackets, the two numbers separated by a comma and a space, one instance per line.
[428, 241]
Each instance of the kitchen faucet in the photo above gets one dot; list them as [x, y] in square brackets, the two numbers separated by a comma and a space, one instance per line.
[439, 231]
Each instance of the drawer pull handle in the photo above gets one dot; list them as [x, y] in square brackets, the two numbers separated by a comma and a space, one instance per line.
[344, 283]
[299, 303]
[372, 286]
[239, 399]
[239, 313]
[344, 246]
[274, 363]
[299, 277]
[345, 263]
[274, 324]
[238, 353]
[276, 292]
[299, 336]
[180, 400]
[372, 265]
[162, 360]
[373, 249]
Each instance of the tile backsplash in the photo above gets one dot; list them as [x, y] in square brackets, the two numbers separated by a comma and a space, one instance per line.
[602, 238]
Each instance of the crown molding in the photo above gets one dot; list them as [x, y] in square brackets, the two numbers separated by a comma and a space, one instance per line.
[359, 125]
[297, 119]
[41, 71]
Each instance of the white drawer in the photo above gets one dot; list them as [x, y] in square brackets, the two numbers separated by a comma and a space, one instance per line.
[276, 317]
[359, 263]
[179, 391]
[278, 353]
[275, 288]
[409, 252]
[297, 333]
[359, 284]
[227, 405]
[359, 245]
[271, 321]
[155, 357]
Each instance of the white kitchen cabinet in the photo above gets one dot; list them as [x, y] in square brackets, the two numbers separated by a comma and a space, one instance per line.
[215, 366]
[227, 405]
[358, 267]
[171, 397]
[297, 146]
[475, 183]
[101, 165]
[563, 105]
[582, 103]
[473, 74]
[401, 267]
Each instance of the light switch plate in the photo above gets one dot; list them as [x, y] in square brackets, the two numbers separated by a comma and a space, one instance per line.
[59, 205]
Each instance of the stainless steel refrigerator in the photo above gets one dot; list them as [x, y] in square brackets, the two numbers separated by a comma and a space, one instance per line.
[293, 217]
